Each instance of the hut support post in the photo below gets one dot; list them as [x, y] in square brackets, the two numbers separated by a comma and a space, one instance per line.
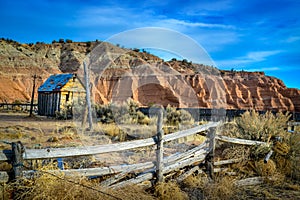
[32, 96]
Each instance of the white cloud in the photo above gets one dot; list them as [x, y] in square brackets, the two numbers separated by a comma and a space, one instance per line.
[265, 69]
[250, 58]
[98, 16]
[196, 24]
[163, 39]
[292, 39]
[259, 55]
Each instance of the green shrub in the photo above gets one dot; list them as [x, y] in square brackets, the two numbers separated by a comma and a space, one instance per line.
[125, 113]
[64, 113]
[175, 117]
[261, 127]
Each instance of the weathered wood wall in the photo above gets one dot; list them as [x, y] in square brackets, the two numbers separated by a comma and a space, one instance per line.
[48, 103]
[69, 94]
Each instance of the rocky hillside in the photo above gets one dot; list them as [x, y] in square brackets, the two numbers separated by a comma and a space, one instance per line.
[119, 73]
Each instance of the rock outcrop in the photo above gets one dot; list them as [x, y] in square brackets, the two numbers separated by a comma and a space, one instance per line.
[119, 73]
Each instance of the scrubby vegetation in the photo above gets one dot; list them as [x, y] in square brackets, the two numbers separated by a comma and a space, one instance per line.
[125, 113]
[114, 117]
[280, 174]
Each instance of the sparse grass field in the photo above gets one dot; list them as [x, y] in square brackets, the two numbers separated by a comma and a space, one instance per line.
[281, 173]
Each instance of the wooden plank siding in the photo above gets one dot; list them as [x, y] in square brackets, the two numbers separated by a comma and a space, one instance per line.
[49, 103]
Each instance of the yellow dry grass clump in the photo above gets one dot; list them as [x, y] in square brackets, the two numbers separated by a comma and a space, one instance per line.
[48, 186]
[222, 188]
[196, 181]
[265, 169]
[170, 191]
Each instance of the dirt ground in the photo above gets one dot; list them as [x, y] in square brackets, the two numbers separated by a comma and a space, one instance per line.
[40, 132]
[23, 119]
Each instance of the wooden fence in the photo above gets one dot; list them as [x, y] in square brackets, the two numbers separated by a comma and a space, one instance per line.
[155, 171]
[17, 106]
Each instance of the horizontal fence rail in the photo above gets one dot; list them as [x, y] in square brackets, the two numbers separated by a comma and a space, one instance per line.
[33, 154]
[17, 106]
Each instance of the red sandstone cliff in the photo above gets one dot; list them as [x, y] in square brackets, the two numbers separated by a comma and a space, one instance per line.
[117, 74]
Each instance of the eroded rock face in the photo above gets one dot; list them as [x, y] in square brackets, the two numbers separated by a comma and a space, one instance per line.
[118, 74]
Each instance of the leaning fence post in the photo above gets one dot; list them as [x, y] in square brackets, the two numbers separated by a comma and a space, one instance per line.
[210, 156]
[17, 159]
[160, 147]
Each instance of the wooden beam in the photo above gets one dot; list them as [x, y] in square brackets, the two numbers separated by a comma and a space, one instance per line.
[100, 171]
[238, 141]
[17, 159]
[225, 162]
[160, 148]
[249, 181]
[149, 175]
[192, 131]
[209, 160]
[188, 173]
[168, 161]
[268, 156]
[99, 149]
[133, 181]
[5, 155]
[88, 95]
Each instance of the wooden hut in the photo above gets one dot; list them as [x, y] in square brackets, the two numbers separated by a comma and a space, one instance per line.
[58, 92]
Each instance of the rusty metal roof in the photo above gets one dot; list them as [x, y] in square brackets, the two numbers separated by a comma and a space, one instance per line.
[55, 82]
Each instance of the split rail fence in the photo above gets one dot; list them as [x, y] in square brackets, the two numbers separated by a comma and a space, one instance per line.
[17, 106]
[186, 162]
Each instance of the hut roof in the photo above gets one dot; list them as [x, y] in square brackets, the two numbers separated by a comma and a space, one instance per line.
[55, 82]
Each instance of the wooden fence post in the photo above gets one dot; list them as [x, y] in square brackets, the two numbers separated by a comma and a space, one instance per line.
[210, 157]
[88, 95]
[160, 147]
[17, 159]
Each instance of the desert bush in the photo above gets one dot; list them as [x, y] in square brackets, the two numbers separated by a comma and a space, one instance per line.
[176, 117]
[111, 129]
[253, 126]
[104, 113]
[64, 113]
[125, 113]
[295, 156]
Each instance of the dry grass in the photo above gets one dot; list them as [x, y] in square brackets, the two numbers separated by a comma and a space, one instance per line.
[265, 169]
[170, 191]
[47, 186]
[222, 188]
[236, 152]
[196, 181]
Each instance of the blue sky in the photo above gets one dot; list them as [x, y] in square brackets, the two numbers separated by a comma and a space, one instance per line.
[256, 35]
